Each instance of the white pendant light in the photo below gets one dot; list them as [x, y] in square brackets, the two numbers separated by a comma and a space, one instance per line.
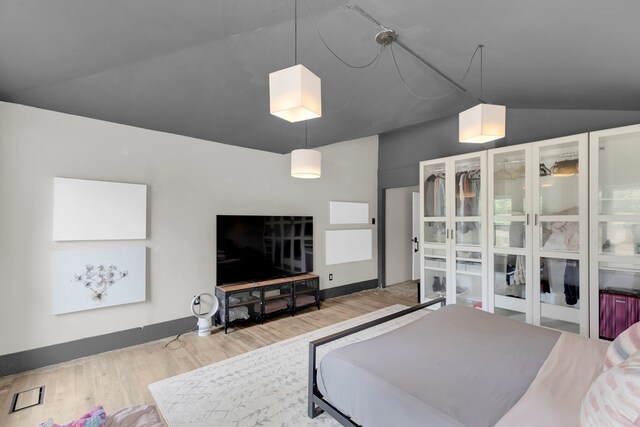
[306, 163]
[484, 122]
[295, 93]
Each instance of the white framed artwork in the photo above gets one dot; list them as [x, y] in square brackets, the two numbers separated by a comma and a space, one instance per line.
[348, 213]
[98, 210]
[88, 279]
[348, 246]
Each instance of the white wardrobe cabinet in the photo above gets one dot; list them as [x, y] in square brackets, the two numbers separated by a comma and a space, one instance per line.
[615, 230]
[546, 232]
[453, 249]
[538, 242]
[510, 232]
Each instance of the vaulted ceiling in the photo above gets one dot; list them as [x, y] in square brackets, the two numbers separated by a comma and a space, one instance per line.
[200, 67]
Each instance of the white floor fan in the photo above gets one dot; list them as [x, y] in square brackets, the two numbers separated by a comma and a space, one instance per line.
[204, 306]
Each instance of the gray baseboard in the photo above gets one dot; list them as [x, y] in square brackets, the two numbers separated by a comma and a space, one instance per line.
[39, 357]
[348, 289]
[50, 355]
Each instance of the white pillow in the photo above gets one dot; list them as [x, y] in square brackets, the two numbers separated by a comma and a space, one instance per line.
[613, 400]
[625, 344]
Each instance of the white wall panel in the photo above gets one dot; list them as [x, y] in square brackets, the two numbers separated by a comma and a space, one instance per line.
[348, 213]
[98, 210]
[348, 246]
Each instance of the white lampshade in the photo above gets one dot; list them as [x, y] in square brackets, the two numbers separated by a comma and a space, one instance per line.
[482, 123]
[306, 163]
[295, 94]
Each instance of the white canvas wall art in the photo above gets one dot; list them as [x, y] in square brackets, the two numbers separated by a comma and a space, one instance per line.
[348, 246]
[88, 279]
[98, 210]
[348, 213]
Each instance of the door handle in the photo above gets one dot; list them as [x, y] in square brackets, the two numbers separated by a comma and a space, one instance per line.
[527, 219]
[415, 240]
[535, 220]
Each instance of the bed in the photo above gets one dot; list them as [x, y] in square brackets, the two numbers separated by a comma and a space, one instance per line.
[457, 366]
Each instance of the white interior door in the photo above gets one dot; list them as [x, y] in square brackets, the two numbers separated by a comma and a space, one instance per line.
[415, 233]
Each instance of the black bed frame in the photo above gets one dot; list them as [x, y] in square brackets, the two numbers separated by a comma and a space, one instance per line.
[317, 404]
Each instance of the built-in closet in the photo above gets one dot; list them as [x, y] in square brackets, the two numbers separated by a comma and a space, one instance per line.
[615, 230]
[523, 250]
[453, 233]
[538, 239]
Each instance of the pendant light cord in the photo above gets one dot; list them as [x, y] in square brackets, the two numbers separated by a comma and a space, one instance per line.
[295, 32]
[481, 67]
[363, 81]
[306, 144]
[404, 82]
[315, 24]
[479, 48]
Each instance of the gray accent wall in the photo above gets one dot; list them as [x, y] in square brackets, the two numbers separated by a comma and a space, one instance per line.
[401, 151]
[190, 182]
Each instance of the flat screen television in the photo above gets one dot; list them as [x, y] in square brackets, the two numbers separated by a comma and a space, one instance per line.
[254, 248]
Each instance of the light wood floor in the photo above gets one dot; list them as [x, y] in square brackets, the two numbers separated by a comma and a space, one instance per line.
[120, 378]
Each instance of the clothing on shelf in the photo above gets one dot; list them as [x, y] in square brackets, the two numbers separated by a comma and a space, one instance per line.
[565, 236]
[510, 172]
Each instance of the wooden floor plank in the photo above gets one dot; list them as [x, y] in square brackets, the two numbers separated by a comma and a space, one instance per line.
[119, 378]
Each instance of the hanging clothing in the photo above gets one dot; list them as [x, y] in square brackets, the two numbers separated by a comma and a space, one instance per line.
[467, 197]
[434, 195]
[519, 277]
[429, 188]
[439, 196]
[571, 282]
[460, 180]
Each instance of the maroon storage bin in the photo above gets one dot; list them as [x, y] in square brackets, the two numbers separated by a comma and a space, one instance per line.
[619, 309]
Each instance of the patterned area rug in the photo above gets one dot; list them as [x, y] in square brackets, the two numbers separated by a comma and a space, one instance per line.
[265, 387]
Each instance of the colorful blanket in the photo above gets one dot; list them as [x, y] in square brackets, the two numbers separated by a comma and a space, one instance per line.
[96, 418]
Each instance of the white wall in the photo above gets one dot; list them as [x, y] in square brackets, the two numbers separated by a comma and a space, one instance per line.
[190, 181]
[398, 234]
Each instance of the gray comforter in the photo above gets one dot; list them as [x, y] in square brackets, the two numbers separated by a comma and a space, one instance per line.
[458, 366]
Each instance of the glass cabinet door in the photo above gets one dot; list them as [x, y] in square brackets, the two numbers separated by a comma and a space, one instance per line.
[434, 201]
[560, 234]
[468, 287]
[434, 231]
[615, 218]
[509, 233]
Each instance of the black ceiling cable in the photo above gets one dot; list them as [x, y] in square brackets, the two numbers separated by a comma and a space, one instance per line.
[481, 66]
[407, 86]
[376, 59]
[363, 80]
[448, 93]
[330, 50]
[471, 62]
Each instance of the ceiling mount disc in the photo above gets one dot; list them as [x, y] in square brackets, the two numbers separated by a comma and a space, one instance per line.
[386, 36]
